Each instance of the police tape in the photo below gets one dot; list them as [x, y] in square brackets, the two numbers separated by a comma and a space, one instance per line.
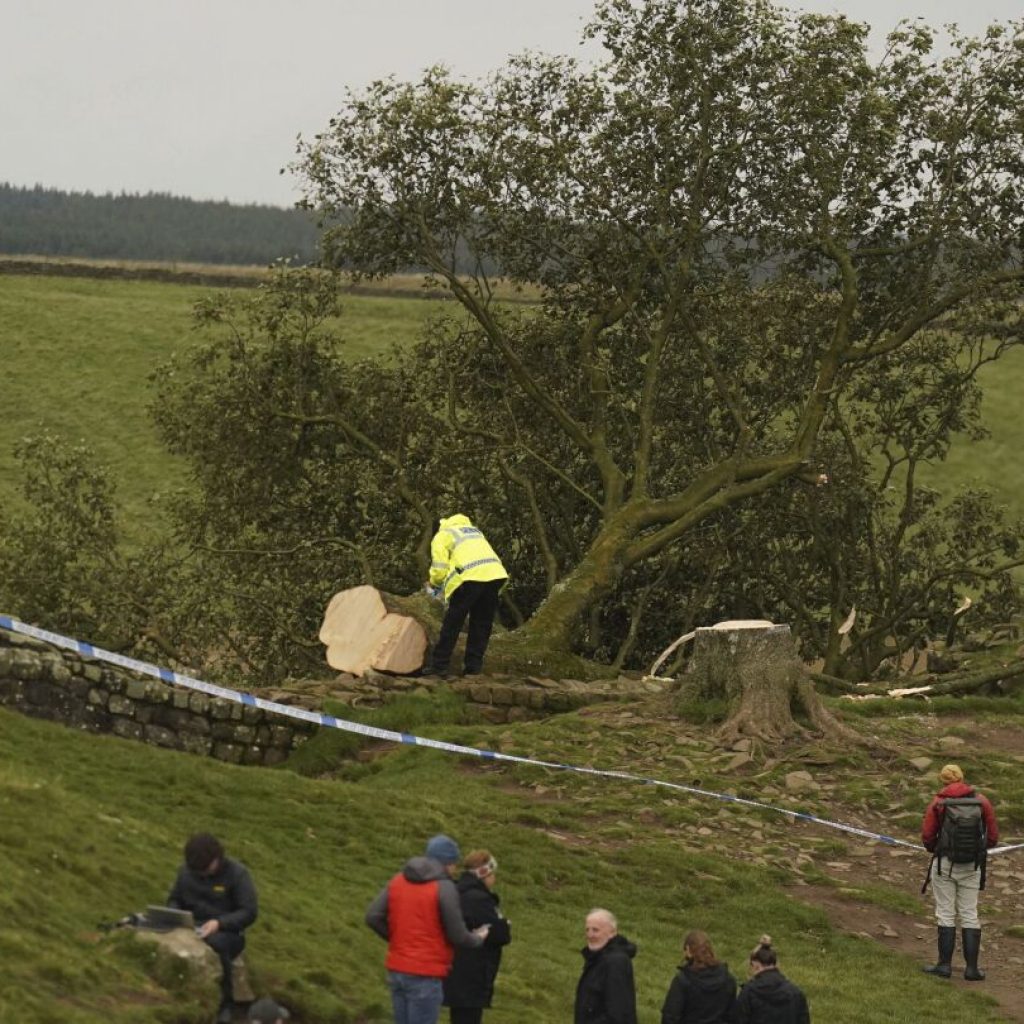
[173, 678]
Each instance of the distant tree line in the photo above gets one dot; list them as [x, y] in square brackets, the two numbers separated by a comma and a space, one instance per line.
[156, 226]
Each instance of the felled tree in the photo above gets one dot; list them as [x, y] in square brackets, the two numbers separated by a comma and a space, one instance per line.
[731, 223]
[645, 198]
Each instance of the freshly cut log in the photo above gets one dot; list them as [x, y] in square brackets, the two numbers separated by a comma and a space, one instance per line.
[361, 633]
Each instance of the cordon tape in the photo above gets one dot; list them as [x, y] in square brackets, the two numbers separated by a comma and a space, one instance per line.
[172, 678]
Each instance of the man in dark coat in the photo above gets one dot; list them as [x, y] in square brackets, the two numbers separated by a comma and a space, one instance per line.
[469, 987]
[606, 993]
[222, 898]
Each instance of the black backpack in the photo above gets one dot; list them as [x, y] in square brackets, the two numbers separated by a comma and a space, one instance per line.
[962, 837]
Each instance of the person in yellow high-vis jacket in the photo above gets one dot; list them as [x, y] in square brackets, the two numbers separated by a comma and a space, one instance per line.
[465, 569]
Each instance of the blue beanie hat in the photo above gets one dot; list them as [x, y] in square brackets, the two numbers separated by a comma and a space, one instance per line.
[444, 849]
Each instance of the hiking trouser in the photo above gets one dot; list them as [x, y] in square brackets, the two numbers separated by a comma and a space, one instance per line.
[477, 599]
[227, 945]
[956, 891]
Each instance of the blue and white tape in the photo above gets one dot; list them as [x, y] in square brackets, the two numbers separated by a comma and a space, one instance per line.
[172, 678]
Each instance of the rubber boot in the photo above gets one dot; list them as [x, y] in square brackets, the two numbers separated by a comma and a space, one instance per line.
[946, 943]
[971, 938]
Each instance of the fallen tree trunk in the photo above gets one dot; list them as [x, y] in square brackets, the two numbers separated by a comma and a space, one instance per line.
[365, 628]
[967, 682]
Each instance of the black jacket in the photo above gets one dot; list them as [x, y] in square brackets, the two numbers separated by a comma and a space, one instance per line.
[229, 895]
[768, 998]
[706, 996]
[471, 981]
[606, 993]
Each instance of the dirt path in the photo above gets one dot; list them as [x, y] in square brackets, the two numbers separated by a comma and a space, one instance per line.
[914, 936]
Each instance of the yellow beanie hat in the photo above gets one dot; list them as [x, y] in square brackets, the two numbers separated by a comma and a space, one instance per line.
[951, 773]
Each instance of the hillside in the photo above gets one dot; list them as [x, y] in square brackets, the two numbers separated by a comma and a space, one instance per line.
[93, 826]
[78, 353]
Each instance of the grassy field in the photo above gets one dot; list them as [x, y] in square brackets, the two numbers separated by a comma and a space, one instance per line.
[92, 827]
[78, 353]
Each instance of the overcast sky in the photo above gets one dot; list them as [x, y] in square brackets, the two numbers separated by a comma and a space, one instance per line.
[204, 98]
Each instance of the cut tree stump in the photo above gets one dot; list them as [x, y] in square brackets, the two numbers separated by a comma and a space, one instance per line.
[362, 630]
[754, 666]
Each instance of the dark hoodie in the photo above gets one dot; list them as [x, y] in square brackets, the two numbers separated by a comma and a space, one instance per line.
[605, 993]
[227, 895]
[704, 996]
[768, 998]
[418, 914]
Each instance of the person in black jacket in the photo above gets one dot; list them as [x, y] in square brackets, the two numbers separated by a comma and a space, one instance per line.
[606, 993]
[469, 987]
[220, 893]
[769, 998]
[703, 991]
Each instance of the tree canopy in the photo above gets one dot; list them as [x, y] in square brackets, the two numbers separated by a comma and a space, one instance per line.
[765, 268]
[739, 224]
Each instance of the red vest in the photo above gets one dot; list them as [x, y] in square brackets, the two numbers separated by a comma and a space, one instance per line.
[417, 943]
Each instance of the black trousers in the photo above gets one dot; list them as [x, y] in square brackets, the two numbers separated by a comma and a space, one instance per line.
[479, 601]
[227, 945]
[467, 1014]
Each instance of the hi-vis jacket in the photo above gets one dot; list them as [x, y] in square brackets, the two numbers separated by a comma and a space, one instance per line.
[458, 553]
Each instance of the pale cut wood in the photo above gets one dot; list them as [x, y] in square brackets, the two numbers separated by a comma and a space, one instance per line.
[361, 633]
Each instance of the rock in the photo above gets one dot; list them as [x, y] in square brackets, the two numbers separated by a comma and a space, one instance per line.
[742, 744]
[738, 762]
[800, 782]
[921, 763]
[950, 743]
[889, 933]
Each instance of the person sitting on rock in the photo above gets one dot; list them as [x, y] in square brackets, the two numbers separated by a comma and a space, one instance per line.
[220, 894]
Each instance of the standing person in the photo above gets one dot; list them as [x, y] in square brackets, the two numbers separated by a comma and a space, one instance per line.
[769, 997]
[418, 914]
[469, 988]
[959, 828]
[606, 993]
[470, 576]
[703, 991]
[220, 894]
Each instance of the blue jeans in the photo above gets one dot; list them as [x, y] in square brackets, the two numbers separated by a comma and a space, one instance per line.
[415, 998]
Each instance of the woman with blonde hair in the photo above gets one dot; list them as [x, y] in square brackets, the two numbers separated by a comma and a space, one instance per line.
[469, 987]
[769, 997]
[703, 991]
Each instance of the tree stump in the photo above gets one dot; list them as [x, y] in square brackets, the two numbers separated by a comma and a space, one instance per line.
[754, 665]
[363, 628]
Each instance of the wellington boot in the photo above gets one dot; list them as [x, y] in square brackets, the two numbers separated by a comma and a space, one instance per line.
[946, 945]
[971, 938]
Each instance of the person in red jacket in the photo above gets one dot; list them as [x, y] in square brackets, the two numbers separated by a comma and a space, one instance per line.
[419, 915]
[959, 827]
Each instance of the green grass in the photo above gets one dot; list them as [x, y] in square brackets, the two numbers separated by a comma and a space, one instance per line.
[78, 353]
[92, 827]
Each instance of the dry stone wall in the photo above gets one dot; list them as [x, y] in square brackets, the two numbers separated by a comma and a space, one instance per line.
[496, 699]
[44, 682]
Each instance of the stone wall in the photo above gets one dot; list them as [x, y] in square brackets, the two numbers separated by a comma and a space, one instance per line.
[496, 699]
[44, 682]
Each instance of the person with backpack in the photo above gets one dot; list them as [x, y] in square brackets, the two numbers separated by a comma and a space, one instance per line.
[769, 997]
[959, 828]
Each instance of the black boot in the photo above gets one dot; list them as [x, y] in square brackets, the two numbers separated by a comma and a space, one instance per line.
[971, 938]
[947, 943]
